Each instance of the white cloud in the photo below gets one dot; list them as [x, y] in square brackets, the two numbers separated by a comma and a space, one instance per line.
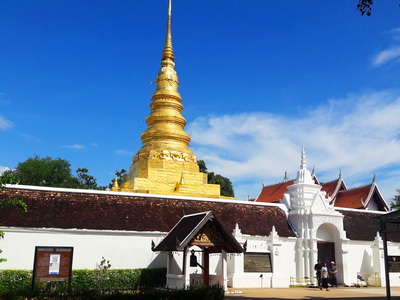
[124, 152]
[386, 56]
[389, 54]
[3, 169]
[5, 124]
[358, 134]
[395, 33]
[75, 146]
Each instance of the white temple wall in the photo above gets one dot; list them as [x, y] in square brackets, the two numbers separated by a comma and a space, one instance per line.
[133, 250]
[282, 255]
[394, 250]
[124, 249]
[359, 259]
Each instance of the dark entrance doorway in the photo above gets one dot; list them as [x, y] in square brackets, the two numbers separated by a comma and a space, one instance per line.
[326, 252]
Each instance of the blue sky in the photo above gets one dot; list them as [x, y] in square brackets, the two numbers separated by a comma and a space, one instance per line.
[259, 79]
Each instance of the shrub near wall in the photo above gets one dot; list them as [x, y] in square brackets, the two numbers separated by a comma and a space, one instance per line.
[84, 281]
[15, 280]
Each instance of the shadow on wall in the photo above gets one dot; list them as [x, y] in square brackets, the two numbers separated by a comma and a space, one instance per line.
[366, 264]
[160, 261]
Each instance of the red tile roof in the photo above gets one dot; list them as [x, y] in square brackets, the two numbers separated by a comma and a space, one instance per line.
[330, 187]
[353, 198]
[272, 193]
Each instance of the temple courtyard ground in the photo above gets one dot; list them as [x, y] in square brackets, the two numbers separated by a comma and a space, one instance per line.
[367, 293]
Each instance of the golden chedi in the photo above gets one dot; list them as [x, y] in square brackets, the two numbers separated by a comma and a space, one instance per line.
[165, 164]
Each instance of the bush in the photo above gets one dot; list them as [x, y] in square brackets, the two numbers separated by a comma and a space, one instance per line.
[86, 283]
[15, 280]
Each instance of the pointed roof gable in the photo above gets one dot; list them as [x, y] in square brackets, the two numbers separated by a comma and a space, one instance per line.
[361, 198]
[199, 229]
[332, 188]
[273, 193]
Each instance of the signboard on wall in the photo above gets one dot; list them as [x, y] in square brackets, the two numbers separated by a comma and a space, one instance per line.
[394, 264]
[257, 262]
[52, 264]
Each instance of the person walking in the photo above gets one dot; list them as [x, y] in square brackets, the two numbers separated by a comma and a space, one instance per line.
[332, 271]
[317, 269]
[324, 277]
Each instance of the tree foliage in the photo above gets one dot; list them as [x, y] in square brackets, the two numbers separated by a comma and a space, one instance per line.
[395, 205]
[225, 183]
[365, 7]
[9, 203]
[52, 172]
[44, 172]
[84, 180]
[118, 176]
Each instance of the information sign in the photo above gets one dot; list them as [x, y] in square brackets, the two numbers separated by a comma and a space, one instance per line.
[52, 264]
[394, 264]
[257, 262]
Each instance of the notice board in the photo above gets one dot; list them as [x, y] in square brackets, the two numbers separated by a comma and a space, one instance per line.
[257, 262]
[52, 263]
[394, 264]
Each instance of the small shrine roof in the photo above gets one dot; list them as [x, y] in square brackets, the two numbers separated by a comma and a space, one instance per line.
[189, 227]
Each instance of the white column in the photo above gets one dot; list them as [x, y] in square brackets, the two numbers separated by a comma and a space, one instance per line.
[224, 269]
[378, 259]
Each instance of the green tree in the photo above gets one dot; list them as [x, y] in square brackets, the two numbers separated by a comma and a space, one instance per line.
[395, 205]
[7, 203]
[84, 180]
[225, 183]
[202, 166]
[52, 172]
[45, 172]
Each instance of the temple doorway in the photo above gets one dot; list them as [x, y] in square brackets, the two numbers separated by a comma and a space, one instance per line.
[326, 252]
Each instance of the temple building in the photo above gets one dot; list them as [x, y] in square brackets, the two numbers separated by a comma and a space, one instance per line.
[165, 214]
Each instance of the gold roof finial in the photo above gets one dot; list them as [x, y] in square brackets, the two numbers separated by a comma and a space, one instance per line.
[168, 53]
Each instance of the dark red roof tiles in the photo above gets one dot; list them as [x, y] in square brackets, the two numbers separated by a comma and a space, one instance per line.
[106, 211]
[363, 226]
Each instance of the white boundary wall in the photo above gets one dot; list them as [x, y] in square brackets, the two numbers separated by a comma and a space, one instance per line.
[127, 249]
[124, 249]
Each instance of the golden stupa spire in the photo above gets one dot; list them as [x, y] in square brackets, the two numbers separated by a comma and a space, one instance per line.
[165, 158]
[168, 53]
[165, 123]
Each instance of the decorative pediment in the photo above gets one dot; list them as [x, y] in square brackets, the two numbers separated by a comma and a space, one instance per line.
[209, 235]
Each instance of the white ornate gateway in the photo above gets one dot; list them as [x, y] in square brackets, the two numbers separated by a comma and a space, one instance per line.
[314, 220]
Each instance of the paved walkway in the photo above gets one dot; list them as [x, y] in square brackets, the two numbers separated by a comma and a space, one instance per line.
[367, 293]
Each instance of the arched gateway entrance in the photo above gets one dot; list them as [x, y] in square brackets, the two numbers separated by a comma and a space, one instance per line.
[189, 245]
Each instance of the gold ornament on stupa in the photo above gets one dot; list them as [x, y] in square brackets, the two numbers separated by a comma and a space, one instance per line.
[165, 164]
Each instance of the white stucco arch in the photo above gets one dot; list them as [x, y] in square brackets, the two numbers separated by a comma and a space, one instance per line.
[328, 232]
